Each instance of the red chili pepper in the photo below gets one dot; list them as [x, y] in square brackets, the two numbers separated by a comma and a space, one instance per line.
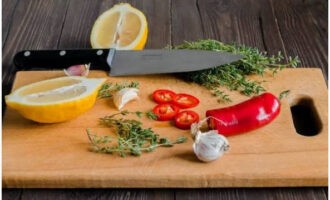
[163, 96]
[185, 101]
[165, 111]
[246, 116]
[184, 119]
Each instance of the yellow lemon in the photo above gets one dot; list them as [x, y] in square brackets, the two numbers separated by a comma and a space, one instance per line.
[122, 27]
[55, 100]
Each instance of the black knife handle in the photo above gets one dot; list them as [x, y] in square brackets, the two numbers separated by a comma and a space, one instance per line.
[59, 59]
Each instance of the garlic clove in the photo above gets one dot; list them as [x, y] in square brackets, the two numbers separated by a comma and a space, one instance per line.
[77, 70]
[123, 96]
[210, 145]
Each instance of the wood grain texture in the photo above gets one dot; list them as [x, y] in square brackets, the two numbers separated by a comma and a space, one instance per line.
[303, 32]
[271, 36]
[79, 19]
[186, 22]
[100, 194]
[221, 23]
[12, 194]
[317, 11]
[252, 194]
[268, 159]
[35, 25]
[8, 10]
[159, 23]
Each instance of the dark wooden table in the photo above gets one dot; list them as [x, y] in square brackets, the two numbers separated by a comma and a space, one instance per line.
[295, 27]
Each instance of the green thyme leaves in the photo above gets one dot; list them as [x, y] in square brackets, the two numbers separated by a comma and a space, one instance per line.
[151, 115]
[284, 94]
[131, 139]
[234, 75]
[108, 89]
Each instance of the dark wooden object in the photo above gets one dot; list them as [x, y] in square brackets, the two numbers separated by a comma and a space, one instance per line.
[295, 27]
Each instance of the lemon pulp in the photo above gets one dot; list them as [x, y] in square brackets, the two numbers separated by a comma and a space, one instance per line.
[121, 27]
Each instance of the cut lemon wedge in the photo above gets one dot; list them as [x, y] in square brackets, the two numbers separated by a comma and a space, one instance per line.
[122, 27]
[55, 100]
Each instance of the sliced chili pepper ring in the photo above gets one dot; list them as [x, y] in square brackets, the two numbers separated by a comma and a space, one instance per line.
[184, 119]
[163, 96]
[185, 101]
[166, 111]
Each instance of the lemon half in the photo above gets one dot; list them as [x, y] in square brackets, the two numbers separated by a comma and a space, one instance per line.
[122, 27]
[55, 100]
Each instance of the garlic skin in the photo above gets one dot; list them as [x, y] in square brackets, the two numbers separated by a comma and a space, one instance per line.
[210, 145]
[123, 96]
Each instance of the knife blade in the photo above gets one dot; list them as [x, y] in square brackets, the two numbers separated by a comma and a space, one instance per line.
[125, 62]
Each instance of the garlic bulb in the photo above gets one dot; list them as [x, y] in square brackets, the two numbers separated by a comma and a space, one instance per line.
[209, 145]
[124, 95]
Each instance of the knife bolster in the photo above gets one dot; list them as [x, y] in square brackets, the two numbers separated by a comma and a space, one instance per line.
[110, 57]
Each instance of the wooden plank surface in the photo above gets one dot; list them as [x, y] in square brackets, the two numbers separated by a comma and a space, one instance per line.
[167, 194]
[186, 26]
[221, 23]
[270, 155]
[34, 25]
[299, 22]
[274, 38]
[7, 13]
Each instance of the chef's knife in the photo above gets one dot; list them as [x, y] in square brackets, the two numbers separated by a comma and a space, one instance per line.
[128, 62]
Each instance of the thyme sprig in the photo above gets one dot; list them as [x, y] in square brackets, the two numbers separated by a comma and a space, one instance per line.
[151, 115]
[234, 75]
[108, 89]
[221, 95]
[284, 94]
[132, 138]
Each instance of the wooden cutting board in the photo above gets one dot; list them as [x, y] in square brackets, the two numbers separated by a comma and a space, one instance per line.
[58, 156]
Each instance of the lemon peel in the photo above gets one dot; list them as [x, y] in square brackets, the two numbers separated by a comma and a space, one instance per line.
[55, 100]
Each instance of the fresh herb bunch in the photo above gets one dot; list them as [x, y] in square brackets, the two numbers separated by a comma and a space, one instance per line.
[132, 138]
[233, 75]
[108, 89]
